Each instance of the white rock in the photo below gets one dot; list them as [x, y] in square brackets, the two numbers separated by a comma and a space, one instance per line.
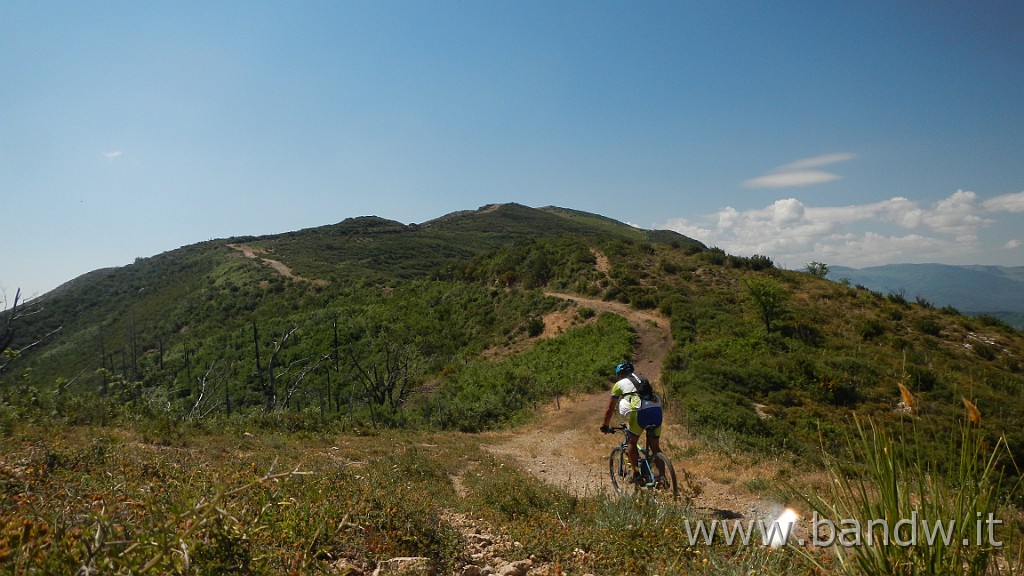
[405, 566]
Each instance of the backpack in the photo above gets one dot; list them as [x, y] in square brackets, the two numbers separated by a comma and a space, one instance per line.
[643, 386]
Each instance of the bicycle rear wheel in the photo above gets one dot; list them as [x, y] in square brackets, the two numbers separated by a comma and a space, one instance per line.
[668, 481]
[619, 470]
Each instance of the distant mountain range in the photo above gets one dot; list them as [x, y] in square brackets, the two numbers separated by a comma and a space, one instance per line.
[993, 290]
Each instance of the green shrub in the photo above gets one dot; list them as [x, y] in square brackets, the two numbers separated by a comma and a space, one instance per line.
[921, 378]
[535, 327]
[483, 394]
[927, 325]
[870, 328]
[805, 332]
[723, 410]
[714, 256]
[985, 350]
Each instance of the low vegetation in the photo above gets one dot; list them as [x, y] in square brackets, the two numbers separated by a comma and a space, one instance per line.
[894, 511]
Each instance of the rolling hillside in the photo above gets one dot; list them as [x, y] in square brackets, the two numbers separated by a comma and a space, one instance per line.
[210, 285]
[445, 344]
[257, 312]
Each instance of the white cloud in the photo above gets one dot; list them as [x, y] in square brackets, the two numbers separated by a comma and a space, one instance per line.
[685, 228]
[112, 154]
[1005, 203]
[816, 161]
[800, 173]
[873, 248]
[956, 215]
[791, 179]
[1012, 244]
[893, 230]
[788, 211]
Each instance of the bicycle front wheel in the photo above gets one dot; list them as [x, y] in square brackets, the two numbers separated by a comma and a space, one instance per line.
[619, 470]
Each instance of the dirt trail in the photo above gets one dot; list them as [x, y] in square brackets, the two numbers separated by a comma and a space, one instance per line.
[278, 266]
[564, 445]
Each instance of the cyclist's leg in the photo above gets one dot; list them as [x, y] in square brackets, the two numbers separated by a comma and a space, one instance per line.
[634, 430]
[650, 418]
[654, 444]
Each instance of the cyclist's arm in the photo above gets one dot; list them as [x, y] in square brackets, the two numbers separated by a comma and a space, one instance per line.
[613, 402]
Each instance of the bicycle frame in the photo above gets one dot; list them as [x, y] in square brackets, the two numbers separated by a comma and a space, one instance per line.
[643, 462]
[653, 478]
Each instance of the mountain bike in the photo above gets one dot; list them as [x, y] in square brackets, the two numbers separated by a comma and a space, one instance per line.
[650, 478]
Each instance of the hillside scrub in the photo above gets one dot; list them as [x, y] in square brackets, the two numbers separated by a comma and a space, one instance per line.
[480, 394]
[835, 349]
[194, 370]
[817, 366]
[293, 351]
[204, 330]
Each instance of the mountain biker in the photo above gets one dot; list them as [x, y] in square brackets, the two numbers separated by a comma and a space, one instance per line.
[642, 412]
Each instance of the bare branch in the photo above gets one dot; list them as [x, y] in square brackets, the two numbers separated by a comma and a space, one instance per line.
[270, 392]
[302, 375]
[7, 354]
[201, 396]
[7, 334]
[72, 381]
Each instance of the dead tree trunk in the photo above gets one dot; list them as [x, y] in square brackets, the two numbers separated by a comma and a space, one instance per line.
[268, 394]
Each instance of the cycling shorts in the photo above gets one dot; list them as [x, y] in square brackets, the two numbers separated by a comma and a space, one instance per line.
[639, 420]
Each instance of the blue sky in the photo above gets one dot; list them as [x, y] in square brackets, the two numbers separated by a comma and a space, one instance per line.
[852, 133]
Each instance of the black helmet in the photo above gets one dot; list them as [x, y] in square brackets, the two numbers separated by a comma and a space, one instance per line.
[624, 368]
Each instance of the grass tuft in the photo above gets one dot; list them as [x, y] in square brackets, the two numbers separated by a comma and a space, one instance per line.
[891, 512]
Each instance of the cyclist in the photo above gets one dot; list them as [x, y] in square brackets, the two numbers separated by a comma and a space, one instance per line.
[635, 399]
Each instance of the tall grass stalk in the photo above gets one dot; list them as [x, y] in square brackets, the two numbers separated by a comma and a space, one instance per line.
[881, 481]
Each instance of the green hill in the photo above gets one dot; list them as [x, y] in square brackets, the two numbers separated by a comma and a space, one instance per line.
[273, 318]
[175, 309]
[160, 375]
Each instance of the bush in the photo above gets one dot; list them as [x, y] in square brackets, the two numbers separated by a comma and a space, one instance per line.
[758, 262]
[921, 378]
[805, 332]
[927, 325]
[723, 411]
[768, 299]
[870, 328]
[484, 394]
[715, 256]
[535, 327]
